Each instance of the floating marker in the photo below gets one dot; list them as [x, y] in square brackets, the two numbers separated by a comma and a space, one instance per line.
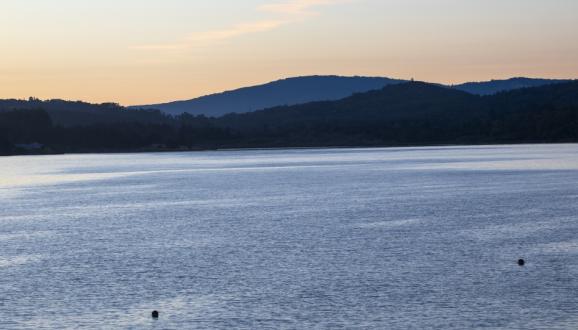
[521, 262]
[155, 314]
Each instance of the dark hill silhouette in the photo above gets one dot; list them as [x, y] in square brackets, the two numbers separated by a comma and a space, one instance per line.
[400, 101]
[552, 95]
[289, 91]
[77, 113]
[496, 86]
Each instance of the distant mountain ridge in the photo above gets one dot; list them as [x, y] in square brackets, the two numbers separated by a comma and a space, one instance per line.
[300, 90]
[497, 86]
[290, 91]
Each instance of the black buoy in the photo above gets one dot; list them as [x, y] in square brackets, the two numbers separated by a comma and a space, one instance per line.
[521, 262]
[155, 314]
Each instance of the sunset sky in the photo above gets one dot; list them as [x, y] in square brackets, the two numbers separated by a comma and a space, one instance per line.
[149, 51]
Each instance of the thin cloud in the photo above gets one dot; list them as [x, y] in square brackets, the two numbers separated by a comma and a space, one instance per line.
[207, 37]
[238, 30]
[296, 7]
[284, 13]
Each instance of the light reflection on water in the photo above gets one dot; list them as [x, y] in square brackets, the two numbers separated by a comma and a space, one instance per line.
[332, 238]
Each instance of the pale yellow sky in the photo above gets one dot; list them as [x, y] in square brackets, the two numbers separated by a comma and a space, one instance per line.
[150, 51]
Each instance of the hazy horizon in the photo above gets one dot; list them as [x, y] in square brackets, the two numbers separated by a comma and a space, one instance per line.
[142, 52]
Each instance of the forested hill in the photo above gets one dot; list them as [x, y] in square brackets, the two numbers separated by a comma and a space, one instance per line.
[411, 113]
[77, 113]
[393, 103]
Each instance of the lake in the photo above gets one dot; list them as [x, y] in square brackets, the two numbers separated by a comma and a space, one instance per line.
[399, 238]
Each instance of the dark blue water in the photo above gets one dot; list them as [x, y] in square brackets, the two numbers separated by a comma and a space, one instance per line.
[410, 238]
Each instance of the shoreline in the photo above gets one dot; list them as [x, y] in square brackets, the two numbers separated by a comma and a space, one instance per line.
[445, 145]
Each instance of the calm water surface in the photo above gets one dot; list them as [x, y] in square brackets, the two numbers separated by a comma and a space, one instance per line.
[409, 238]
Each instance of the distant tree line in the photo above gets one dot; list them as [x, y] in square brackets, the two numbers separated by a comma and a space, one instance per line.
[406, 114]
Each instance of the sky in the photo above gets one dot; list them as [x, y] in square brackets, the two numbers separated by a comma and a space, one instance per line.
[150, 51]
